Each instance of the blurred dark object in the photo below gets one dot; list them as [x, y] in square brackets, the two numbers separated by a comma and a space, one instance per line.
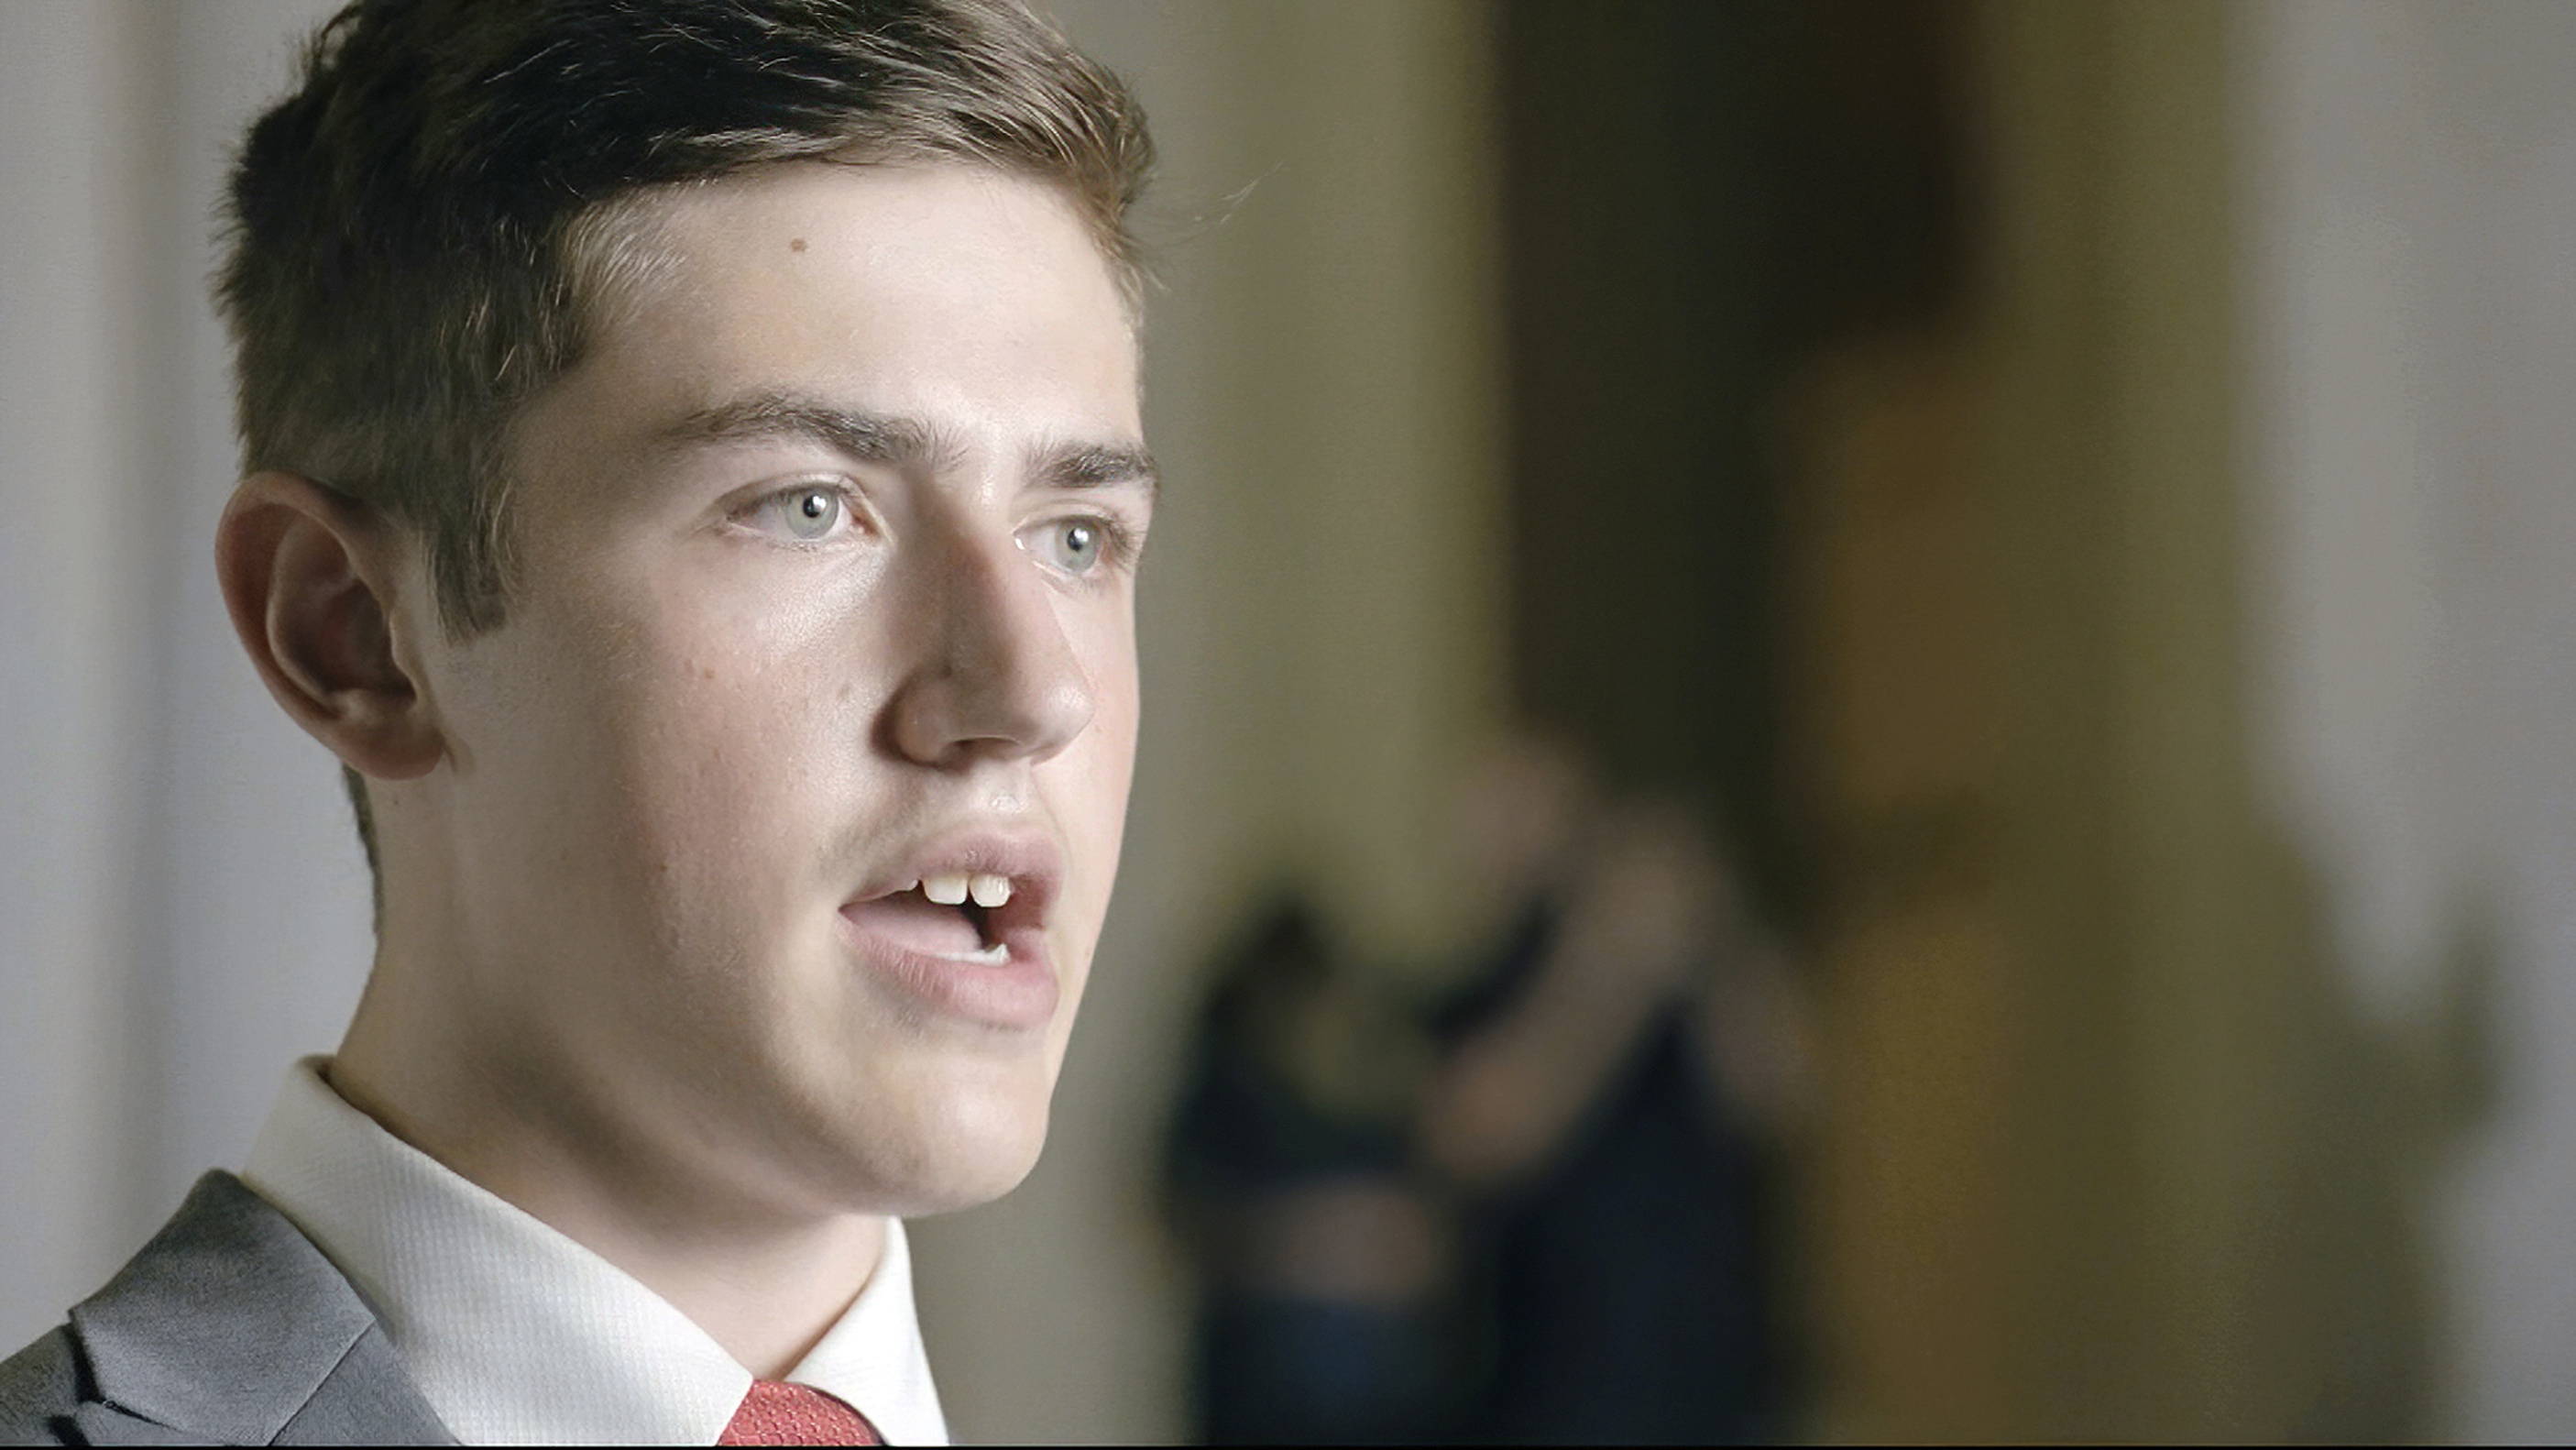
[1616, 1077]
[1290, 1175]
[1700, 202]
[1697, 199]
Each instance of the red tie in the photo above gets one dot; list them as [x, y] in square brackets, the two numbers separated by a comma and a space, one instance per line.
[775, 1413]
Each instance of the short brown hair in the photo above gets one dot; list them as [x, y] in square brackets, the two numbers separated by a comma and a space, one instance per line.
[421, 234]
[415, 233]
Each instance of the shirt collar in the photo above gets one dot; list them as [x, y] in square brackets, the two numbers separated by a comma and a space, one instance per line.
[516, 1334]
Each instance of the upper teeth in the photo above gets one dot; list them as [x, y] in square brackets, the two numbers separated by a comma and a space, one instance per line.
[953, 887]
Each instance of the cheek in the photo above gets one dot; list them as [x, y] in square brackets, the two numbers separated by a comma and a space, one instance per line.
[736, 741]
[1107, 749]
[1092, 779]
[745, 736]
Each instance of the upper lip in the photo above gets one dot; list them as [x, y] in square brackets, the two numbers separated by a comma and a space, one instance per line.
[1030, 860]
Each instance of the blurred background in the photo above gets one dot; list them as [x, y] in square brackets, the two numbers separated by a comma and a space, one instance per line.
[1993, 577]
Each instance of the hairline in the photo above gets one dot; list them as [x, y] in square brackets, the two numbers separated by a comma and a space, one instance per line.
[628, 221]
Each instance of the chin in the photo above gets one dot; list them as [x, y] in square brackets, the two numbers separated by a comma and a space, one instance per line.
[967, 1184]
[964, 1149]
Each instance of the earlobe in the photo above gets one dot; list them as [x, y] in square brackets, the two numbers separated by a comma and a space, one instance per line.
[307, 576]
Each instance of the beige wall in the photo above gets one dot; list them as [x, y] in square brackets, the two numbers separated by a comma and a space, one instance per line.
[2409, 300]
[2117, 1149]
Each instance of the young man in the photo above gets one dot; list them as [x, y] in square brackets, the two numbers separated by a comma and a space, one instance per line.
[695, 485]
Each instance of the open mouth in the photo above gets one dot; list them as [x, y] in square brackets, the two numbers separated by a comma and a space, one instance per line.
[954, 916]
[966, 937]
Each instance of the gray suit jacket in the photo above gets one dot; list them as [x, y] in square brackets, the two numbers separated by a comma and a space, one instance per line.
[230, 1328]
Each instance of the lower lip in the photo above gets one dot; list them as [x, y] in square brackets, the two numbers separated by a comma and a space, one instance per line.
[1019, 992]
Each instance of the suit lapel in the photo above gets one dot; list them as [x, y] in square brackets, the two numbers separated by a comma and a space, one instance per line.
[107, 1425]
[231, 1327]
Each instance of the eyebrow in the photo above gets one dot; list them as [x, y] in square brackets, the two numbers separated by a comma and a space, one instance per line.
[901, 442]
[1094, 465]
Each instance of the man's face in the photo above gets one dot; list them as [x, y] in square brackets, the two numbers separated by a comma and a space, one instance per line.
[823, 608]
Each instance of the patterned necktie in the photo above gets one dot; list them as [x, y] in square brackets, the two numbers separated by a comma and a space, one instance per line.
[775, 1413]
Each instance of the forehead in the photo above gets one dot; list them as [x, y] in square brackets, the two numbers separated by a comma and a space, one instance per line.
[971, 297]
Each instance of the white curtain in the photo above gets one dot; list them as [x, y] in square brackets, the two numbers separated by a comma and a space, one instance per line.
[182, 905]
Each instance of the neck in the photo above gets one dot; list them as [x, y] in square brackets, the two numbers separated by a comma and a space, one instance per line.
[764, 1281]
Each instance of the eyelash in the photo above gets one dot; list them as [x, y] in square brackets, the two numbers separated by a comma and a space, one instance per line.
[783, 498]
[1120, 544]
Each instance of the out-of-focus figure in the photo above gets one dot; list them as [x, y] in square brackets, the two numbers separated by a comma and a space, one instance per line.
[1541, 1210]
[1614, 1084]
[1320, 1256]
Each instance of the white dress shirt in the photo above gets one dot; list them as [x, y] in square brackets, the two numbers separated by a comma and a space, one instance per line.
[515, 1334]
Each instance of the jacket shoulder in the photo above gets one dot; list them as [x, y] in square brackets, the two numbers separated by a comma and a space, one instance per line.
[230, 1327]
[39, 1390]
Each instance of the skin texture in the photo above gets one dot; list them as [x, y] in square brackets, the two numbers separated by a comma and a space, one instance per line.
[616, 982]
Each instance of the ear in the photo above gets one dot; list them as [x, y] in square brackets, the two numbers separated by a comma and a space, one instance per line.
[308, 577]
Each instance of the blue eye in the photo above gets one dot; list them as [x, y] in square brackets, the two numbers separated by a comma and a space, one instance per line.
[1074, 545]
[807, 515]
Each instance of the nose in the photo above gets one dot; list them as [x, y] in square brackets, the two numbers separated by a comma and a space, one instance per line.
[995, 676]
